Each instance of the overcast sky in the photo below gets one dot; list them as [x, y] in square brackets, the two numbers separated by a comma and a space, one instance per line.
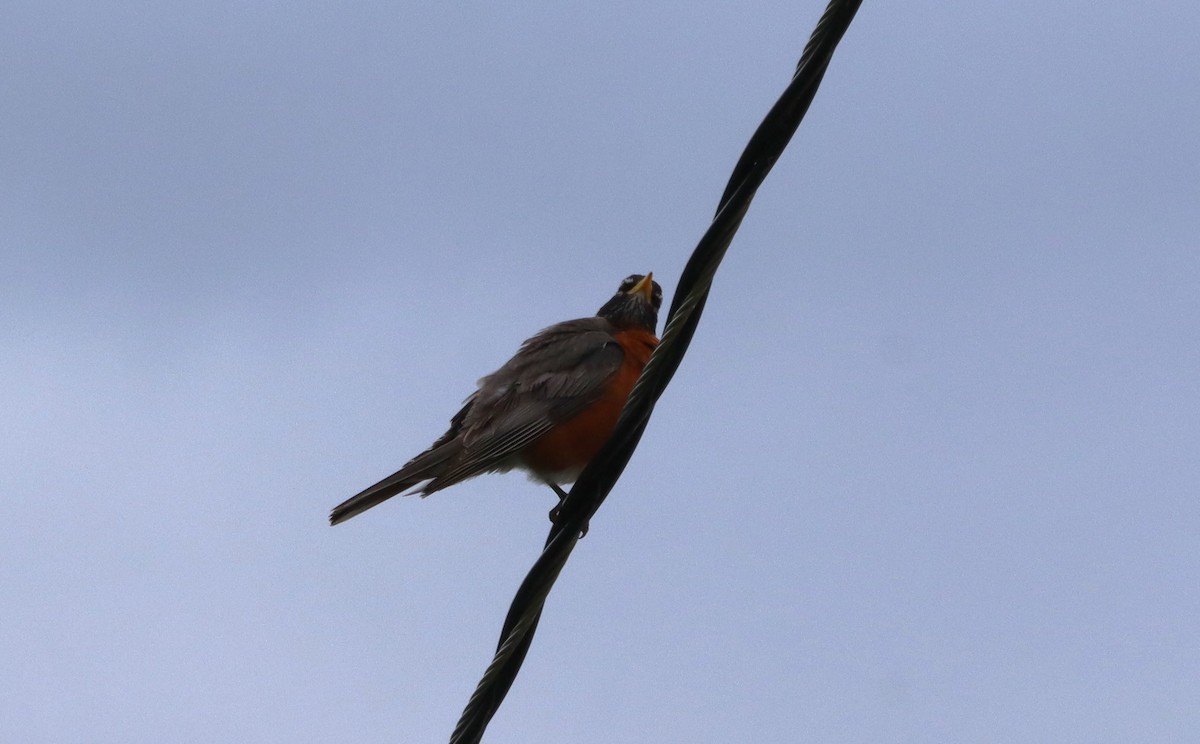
[930, 472]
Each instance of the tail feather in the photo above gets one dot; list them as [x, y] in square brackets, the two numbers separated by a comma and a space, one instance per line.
[423, 467]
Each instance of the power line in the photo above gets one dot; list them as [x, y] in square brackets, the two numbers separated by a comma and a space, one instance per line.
[601, 474]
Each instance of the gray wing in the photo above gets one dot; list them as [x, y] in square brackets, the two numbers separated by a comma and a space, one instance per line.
[553, 377]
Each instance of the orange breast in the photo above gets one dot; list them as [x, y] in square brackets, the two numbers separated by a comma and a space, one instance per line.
[567, 448]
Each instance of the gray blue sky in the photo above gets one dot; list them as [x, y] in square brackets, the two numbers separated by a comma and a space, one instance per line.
[929, 473]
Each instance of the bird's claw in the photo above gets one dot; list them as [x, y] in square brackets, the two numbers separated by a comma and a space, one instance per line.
[556, 514]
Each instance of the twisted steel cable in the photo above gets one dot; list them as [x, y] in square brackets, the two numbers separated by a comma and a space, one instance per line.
[601, 474]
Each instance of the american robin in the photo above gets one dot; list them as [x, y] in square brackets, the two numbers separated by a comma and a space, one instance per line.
[548, 410]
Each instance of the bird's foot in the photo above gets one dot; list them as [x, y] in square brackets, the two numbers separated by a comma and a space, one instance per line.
[556, 512]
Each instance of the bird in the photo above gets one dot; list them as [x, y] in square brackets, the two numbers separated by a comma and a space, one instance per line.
[547, 411]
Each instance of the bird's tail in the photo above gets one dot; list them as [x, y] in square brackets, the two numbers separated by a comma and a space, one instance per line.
[423, 467]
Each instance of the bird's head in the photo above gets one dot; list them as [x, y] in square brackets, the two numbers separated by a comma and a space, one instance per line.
[636, 303]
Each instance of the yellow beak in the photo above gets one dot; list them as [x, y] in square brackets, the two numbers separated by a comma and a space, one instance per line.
[645, 287]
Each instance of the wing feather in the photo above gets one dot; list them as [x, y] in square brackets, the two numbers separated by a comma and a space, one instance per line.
[553, 377]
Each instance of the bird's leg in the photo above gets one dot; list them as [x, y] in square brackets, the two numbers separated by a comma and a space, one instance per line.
[556, 512]
[562, 496]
